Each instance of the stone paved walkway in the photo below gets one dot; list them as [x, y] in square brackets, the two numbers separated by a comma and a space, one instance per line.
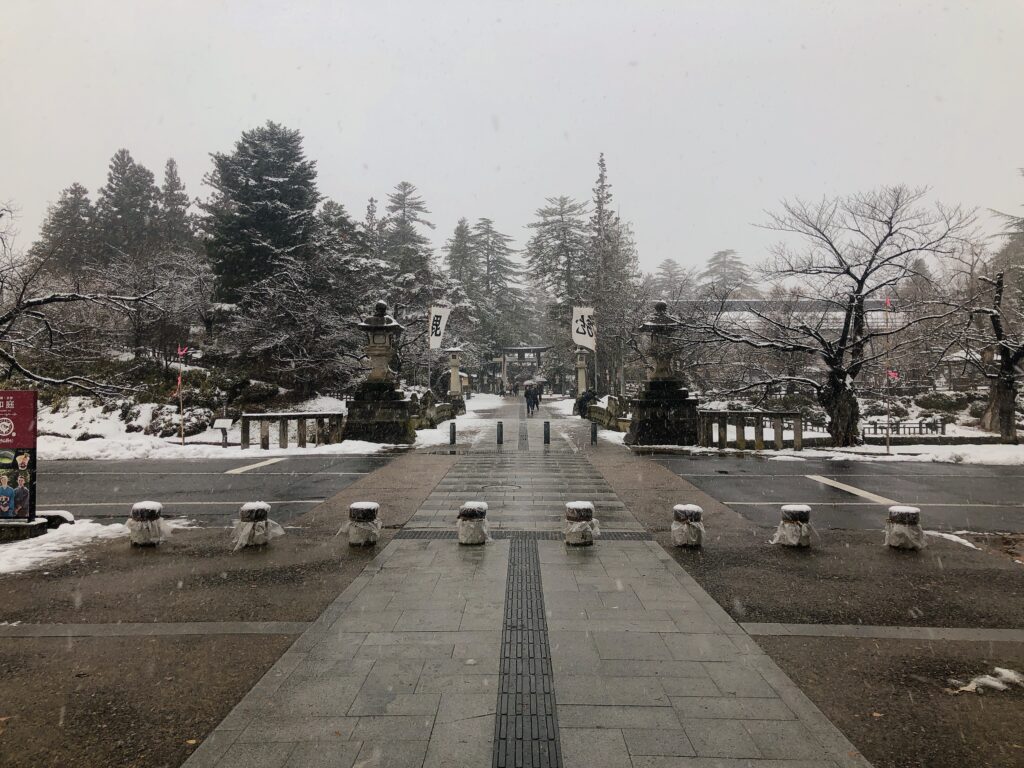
[524, 652]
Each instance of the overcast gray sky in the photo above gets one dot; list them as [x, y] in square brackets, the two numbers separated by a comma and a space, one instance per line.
[707, 112]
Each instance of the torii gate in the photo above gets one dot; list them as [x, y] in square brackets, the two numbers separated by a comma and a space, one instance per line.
[519, 354]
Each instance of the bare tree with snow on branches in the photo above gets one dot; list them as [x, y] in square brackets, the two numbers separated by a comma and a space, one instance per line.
[851, 259]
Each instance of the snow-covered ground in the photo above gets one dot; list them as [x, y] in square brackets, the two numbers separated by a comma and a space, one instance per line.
[61, 543]
[81, 416]
[469, 427]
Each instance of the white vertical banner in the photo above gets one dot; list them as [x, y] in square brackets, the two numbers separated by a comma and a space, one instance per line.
[584, 329]
[438, 322]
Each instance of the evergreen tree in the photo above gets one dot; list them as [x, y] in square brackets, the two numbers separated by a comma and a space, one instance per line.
[338, 233]
[727, 275]
[126, 212]
[263, 208]
[462, 258]
[375, 231]
[407, 247]
[176, 230]
[493, 253]
[556, 252]
[67, 239]
[672, 281]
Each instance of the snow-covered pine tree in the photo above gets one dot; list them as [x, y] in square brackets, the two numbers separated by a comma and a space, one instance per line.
[461, 257]
[126, 212]
[67, 242]
[672, 281]
[406, 246]
[375, 231]
[176, 226]
[728, 277]
[556, 252]
[263, 208]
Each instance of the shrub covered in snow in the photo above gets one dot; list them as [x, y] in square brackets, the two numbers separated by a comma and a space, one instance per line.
[878, 408]
[947, 402]
[165, 421]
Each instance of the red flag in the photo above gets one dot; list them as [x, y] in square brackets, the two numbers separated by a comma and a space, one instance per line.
[894, 375]
[888, 303]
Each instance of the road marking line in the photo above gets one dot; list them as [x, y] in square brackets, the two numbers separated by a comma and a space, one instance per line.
[194, 474]
[921, 504]
[176, 503]
[851, 489]
[976, 634]
[257, 465]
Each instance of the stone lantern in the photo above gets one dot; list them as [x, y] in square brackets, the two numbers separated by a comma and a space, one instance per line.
[664, 413]
[378, 412]
[455, 395]
[581, 372]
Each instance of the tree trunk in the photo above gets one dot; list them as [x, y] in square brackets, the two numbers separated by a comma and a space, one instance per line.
[1000, 415]
[843, 411]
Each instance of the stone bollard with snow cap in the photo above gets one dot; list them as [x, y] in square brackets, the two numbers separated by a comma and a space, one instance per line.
[580, 525]
[472, 524]
[795, 528]
[903, 528]
[687, 525]
[363, 524]
[146, 527]
[254, 528]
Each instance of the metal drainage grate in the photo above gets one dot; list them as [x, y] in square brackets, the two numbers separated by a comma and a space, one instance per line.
[526, 723]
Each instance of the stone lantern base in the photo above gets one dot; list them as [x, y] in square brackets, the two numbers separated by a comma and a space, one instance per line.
[458, 402]
[663, 414]
[379, 414]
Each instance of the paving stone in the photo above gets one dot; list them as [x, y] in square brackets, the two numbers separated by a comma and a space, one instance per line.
[593, 748]
[574, 716]
[393, 728]
[784, 740]
[391, 753]
[466, 706]
[461, 743]
[335, 755]
[738, 679]
[720, 738]
[395, 704]
[700, 647]
[689, 686]
[625, 691]
[322, 697]
[650, 741]
[294, 729]
[256, 755]
[731, 708]
[631, 645]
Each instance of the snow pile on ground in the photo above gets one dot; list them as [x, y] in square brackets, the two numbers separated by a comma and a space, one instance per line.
[952, 537]
[62, 542]
[468, 428]
[1000, 680]
[562, 407]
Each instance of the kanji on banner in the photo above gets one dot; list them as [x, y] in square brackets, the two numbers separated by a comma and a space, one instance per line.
[584, 329]
[438, 322]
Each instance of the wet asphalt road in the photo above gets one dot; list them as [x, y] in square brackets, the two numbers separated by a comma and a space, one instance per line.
[201, 489]
[951, 496]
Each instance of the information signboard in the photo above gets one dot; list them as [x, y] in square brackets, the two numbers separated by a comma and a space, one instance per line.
[18, 411]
